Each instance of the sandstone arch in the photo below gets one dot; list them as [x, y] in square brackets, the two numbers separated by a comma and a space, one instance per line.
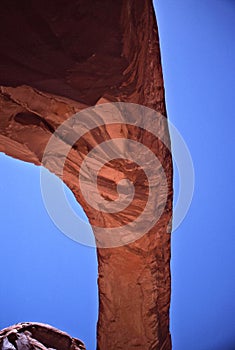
[57, 59]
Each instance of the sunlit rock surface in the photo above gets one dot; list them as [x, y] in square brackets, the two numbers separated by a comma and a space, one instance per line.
[57, 58]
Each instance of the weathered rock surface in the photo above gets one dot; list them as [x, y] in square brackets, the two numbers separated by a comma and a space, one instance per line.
[57, 58]
[37, 336]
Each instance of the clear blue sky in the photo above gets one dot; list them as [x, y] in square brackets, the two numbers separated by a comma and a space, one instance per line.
[46, 277]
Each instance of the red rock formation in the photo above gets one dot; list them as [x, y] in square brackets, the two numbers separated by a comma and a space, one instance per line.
[56, 58]
[37, 336]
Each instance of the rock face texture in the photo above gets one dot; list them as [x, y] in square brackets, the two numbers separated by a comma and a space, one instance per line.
[56, 59]
[37, 336]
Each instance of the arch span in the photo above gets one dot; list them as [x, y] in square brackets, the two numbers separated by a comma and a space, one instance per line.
[56, 60]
